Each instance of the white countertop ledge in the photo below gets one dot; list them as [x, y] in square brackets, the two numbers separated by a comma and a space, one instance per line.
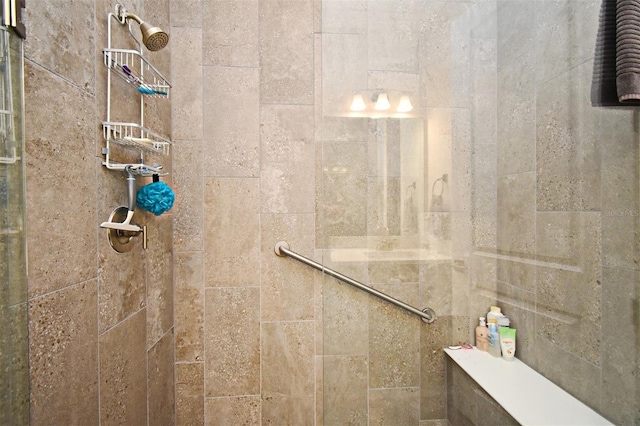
[529, 397]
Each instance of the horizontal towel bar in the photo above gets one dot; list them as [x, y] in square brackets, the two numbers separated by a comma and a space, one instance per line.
[428, 315]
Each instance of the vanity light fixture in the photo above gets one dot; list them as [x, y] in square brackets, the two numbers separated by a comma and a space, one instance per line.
[380, 100]
[382, 103]
[358, 103]
[405, 104]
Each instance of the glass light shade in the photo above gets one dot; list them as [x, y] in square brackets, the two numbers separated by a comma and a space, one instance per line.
[405, 104]
[358, 103]
[383, 102]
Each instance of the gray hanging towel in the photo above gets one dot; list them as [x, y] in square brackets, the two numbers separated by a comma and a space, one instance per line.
[628, 50]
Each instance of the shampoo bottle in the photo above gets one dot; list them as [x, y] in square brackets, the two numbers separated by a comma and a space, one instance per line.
[492, 316]
[481, 336]
[494, 340]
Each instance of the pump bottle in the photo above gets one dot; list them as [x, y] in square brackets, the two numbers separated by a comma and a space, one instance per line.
[481, 336]
[494, 340]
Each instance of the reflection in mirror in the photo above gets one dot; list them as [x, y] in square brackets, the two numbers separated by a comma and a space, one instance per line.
[378, 193]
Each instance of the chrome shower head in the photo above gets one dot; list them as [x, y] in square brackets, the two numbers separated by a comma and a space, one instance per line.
[152, 37]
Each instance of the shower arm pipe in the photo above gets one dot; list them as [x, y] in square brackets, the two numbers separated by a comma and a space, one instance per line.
[428, 315]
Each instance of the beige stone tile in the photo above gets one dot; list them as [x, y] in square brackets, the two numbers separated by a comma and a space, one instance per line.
[483, 20]
[575, 375]
[436, 287]
[233, 410]
[319, 389]
[318, 309]
[568, 151]
[123, 373]
[433, 393]
[231, 121]
[68, 33]
[232, 333]
[157, 111]
[620, 295]
[319, 194]
[565, 35]
[394, 342]
[460, 289]
[438, 422]
[287, 286]
[519, 272]
[517, 116]
[484, 196]
[287, 373]
[60, 224]
[344, 69]
[286, 52]
[460, 180]
[160, 274]
[393, 272]
[344, 129]
[344, 17]
[186, 93]
[391, 33]
[317, 17]
[346, 390]
[461, 247]
[515, 30]
[63, 356]
[384, 148]
[121, 276]
[468, 403]
[232, 232]
[516, 214]
[189, 394]
[396, 81]
[344, 188]
[394, 406]
[383, 192]
[189, 306]
[231, 33]
[443, 55]
[570, 243]
[188, 184]
[345, 323]
[186, 13]
[483, 286]
[620, 188]
[14, 358]
[483, 80]
[161, 382]
[462, 404]
[14, 252]
[287, 159]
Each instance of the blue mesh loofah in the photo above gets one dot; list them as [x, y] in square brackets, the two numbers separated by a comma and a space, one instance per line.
[156, 197]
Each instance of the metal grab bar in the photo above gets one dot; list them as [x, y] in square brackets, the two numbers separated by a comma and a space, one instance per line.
[428, 315]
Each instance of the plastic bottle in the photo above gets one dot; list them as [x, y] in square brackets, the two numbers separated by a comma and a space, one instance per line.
[481, 336]
[503, 322]
[494, 340]
[492, 316]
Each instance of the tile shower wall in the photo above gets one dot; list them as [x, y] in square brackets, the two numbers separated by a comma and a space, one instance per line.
[100, 323]
[563, 263]
[554, 183]
[243, 169]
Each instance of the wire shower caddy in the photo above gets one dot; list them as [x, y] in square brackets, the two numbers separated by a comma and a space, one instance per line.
[132, 67]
